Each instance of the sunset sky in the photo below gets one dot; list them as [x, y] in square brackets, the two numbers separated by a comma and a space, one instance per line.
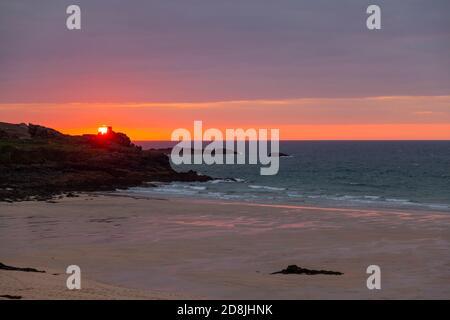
[309, 68]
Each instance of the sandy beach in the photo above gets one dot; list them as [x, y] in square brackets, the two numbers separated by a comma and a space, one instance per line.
[175, 248]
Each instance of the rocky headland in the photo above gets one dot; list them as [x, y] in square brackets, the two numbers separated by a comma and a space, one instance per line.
[38, 163]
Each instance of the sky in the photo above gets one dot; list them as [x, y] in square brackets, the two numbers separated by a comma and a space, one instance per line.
[310, 68]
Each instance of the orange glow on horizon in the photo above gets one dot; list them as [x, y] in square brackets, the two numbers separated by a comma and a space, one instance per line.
[306, 132]
[366, 118]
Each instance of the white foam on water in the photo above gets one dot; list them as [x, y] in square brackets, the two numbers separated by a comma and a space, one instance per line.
[266, 188]
[212, 189]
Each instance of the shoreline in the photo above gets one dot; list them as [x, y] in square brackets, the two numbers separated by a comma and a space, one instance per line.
[164, 248]
[325, 205]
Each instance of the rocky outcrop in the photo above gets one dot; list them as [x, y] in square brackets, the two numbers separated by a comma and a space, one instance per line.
[11, 268]
[294, 269]
[278, 154]
[37, 131]
[36, 162]
[14, 131]
[11, 297]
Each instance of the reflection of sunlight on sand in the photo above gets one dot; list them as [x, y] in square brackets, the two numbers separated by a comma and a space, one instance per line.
[256, 224]
[357, 213]
[209, 223]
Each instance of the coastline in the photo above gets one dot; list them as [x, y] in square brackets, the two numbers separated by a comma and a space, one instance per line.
[172, 248]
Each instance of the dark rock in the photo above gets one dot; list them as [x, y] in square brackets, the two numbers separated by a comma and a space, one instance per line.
[48, 164]
[294, 269]
[10, 268]
[71, 195]
[121, 139]
[14, 131]
[278, 154]
[43, 132]
[7, 296]
[3, 134]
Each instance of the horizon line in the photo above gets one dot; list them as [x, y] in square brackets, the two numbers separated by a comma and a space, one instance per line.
[301, 140]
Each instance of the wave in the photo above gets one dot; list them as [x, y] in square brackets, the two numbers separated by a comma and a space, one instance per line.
[227, 180]
[266, 188]
[225, 190]
[379, 200]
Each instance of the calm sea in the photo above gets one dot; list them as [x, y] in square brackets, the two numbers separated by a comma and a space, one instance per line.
[339, 173]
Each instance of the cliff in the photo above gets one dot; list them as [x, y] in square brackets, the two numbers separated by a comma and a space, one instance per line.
[39, 162]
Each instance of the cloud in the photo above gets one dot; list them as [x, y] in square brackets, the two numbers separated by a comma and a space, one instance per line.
[246, 113]
[201, 50]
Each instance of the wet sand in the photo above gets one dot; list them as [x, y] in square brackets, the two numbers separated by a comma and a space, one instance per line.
[180, 248]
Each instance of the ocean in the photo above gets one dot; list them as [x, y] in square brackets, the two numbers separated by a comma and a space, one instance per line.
[395, 174]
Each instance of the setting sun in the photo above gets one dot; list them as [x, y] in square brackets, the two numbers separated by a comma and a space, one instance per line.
[103, 130]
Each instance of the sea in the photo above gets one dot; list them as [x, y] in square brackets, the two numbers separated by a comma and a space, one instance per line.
[393, 174]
